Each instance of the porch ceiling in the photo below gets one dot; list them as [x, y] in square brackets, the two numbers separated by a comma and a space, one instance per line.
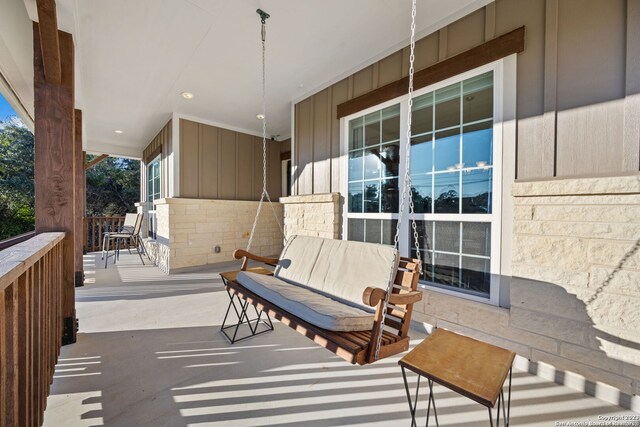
[135, 58]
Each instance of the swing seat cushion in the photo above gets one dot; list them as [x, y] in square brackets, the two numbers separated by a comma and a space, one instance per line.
[340, 269]
[322, 281]
[315, 308]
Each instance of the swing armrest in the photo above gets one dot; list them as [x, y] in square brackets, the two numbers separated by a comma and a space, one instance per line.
[240, 253]
[374, 296]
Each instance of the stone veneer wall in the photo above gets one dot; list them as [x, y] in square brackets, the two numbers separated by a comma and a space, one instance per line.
[312, 215]
[575, 290]
[188, 230]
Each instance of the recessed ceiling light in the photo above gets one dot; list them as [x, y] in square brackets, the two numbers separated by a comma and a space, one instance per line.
[260, 117]
[118, 131]
[187, 95]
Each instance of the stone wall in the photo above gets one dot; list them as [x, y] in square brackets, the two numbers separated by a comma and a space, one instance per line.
[312, 215]
[575, 290]
[190, 229]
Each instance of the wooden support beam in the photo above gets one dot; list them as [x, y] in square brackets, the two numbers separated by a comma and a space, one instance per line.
[95, 161]
[78, 201]
[54, 160]
[49, 40]
[497, 48]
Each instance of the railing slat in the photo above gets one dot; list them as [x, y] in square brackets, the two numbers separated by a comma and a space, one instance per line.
[31, 319]
[95, 227]
[8, 360]
[23, 347]
[3, 355]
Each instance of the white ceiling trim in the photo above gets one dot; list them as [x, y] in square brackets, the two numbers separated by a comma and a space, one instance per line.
[218, 124]
[113, 150]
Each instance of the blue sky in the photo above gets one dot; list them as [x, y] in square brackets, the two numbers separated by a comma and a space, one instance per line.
[5, 109]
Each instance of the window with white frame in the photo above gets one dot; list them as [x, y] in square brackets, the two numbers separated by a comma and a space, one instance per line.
[153, 193]
[454, 157]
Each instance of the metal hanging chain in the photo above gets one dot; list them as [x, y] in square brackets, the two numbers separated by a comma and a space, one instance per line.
[407, 191]
[265, 194]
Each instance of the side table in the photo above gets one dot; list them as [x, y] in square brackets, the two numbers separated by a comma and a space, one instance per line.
[469, 367]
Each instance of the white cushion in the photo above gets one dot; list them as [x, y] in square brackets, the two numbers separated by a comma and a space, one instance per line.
[306, 304]
[339, 268]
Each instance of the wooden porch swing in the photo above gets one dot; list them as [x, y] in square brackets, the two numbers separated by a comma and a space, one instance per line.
[327, 306]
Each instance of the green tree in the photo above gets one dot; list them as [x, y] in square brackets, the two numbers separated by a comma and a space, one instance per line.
[113, 186]
[16, 179]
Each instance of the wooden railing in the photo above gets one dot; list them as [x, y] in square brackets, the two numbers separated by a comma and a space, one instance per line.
[30, 326]
[95, 227]
[4, 244]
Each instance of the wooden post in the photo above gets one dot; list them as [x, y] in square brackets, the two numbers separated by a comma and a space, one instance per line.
[78, 216]
[54, 163]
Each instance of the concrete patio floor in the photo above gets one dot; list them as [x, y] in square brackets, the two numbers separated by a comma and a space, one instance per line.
[149, 353]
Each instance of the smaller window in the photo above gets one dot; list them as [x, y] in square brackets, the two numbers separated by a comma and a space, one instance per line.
[153, 194]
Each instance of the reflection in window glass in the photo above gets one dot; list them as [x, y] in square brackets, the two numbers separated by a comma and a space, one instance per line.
[355, 197]
[422, 193]
[425, 235]
[422, 116]
[355, 165]
[380, 231]
[356, 133]
[477, 145]
[373, 230]
[446, 192]
[476, 238]
[372, 129]
[475, 275]
[390, 160]
[447, 150]
[478, 98]
[389, 193]
[372, 196]
[476, 191]
[447, 236]
[388, 231]
[446, 270]
[372, 163]
[356, 229]
[421, 154]
[448, 106]
[391, 123]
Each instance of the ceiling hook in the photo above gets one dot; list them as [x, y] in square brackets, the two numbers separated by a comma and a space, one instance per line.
[263, 15]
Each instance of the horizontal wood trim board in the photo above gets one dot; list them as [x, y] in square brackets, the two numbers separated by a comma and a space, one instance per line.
[155, 153]
[497, 48]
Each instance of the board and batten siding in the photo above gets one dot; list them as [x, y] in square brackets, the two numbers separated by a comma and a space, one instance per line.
[160, 143]
[578, 84]
[217, 163]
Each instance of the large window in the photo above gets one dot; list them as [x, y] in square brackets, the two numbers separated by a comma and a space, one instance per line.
[453, 148]
[153, 193]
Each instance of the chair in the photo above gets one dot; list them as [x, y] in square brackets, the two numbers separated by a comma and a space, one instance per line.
[128, 233]
[127, 227]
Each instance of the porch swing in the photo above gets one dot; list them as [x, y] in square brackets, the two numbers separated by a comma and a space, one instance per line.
[353, 298]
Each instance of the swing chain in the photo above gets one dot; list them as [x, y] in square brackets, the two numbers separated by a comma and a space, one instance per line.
[406, 190]
[265, 194]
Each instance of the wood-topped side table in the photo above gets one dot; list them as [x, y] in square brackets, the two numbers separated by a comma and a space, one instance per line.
[469, 367]
[241, 308]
